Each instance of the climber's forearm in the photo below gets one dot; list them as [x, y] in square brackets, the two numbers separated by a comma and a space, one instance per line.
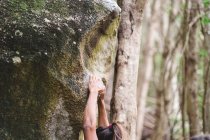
[89, 121]
[90, 111]
[103, 119]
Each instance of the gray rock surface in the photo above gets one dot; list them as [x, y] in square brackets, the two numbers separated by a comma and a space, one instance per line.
[48, 48]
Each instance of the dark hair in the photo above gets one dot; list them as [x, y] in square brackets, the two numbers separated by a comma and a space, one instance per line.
[118, 132]
[113, 132]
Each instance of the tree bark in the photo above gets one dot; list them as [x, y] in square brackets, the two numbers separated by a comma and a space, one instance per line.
[164, 96]
[206, 103]
[144, 87]
[191, 61]
[146, 68]
[124, 106]
[183, 97]
[167, 93]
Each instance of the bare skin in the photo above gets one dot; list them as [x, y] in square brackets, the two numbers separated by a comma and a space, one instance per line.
[103, 120]
[89, 121]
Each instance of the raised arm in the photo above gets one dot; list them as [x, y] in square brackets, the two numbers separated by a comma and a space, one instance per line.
[89, 120]
[103, 119]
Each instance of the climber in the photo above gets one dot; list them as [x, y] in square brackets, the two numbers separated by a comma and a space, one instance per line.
[104, 131]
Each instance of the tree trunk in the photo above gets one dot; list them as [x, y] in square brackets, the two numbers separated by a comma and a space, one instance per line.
[206, 103]
[191, 60]
[124, 106]
[146, 68]
[165, 88]
[183, 97]
[144, 87]
[164, 96]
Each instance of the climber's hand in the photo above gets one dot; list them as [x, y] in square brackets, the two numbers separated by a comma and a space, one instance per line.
[95, 84]
[102, 93]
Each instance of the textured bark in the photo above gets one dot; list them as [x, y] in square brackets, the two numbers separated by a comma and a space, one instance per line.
[164, 95]
[146, 68]
[124, 106]
[206, 103]
[166, 84]
[144, 87]
[191, 87]
[183, 94]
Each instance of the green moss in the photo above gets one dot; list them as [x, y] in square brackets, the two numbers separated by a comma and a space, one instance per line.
[32, 92]
[25, 5]
[99, 8]
[19, 7]
[58, 6]
[109, 33]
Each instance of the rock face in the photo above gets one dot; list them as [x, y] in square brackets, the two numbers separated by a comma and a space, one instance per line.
[48, 48]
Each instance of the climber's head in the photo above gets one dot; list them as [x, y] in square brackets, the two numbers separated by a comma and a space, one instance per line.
[113, 132]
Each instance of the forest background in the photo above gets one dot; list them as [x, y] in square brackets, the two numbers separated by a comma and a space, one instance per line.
[174, 71]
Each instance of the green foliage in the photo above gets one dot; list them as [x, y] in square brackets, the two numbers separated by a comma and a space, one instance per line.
[205, 20]
[158, 60]
[203, 53]
[206, 3]
[179, 18]
[200, 100]
[169, 9]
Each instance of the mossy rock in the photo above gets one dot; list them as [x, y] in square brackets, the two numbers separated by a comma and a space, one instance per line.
[48, 48]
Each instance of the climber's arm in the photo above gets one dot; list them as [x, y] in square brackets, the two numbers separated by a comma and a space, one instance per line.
[103, 119]
[89, 125]
[89, 121]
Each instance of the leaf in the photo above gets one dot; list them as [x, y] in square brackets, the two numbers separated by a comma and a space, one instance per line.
[206, 3]
[203, 53]
[205, 20]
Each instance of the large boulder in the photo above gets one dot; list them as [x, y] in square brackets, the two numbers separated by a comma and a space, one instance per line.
[48, 48]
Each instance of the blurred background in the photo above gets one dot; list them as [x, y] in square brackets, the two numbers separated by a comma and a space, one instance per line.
[174, 72]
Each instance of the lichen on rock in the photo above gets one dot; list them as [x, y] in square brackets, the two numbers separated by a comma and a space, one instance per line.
[48, 48]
